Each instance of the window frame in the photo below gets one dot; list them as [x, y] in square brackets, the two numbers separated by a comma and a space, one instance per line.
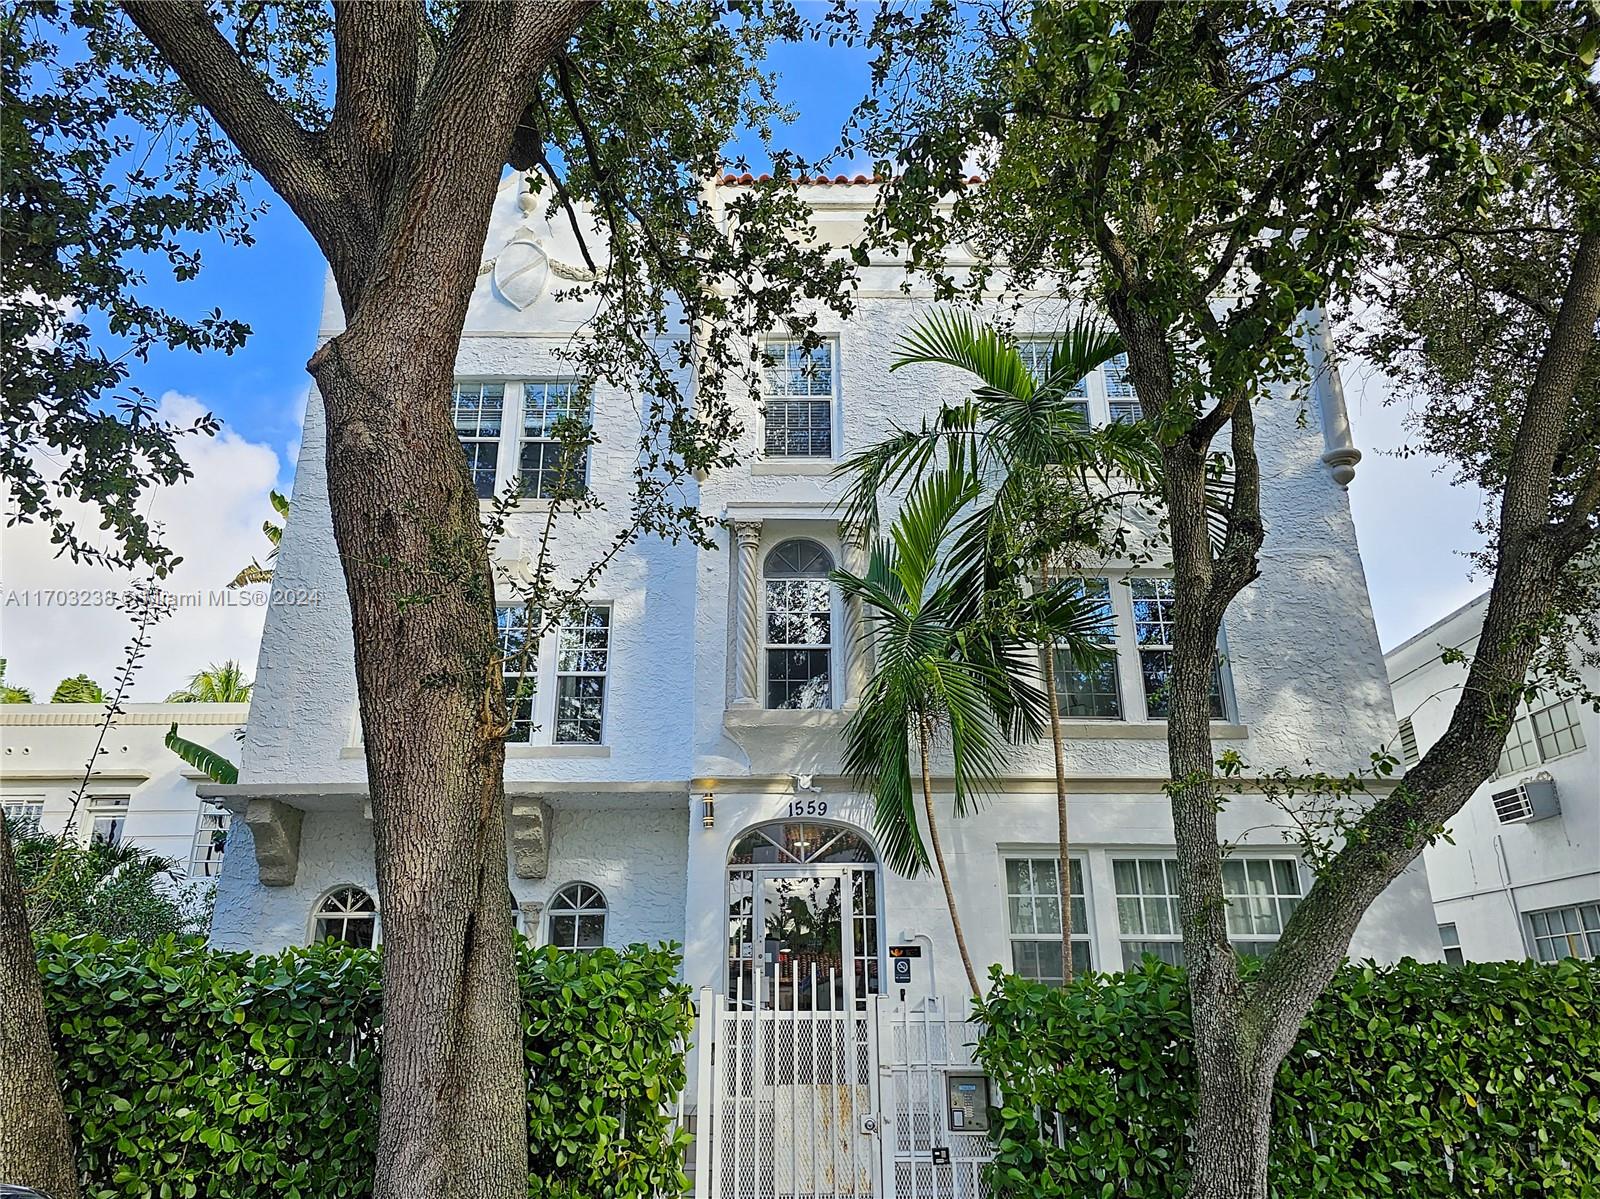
[1587, 917]
[1082, 923]
[768, 646]
[582, 626]
[34, 803]
[1103, 391]
[514, 410]
[1113, 640]
[1145, 938]
[215, 853]
[576, 914]
[1221, 672]
[1451, 944]
[118, 804]
[578, 392]
[1524, 747]
[318, 915]
[831, 401]
[544, 672]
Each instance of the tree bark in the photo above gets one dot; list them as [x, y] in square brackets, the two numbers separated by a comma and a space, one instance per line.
[924, 746]
[1063, 858]
[35, 1142]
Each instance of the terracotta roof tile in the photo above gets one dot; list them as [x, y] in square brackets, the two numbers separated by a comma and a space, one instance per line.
[746, 179]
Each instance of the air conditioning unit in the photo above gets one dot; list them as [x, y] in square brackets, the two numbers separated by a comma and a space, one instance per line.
[1534, 799]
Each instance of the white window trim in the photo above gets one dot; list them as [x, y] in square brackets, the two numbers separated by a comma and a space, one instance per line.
[551, 912]
[835, 408]
[836, 617]
[1583, 933]
[11, 804]
[208, 808]
[323, 897]
[543, 666]
[508, 458]
[1094, 384]
[1086, 932]
[1167, 853]
[113, 802]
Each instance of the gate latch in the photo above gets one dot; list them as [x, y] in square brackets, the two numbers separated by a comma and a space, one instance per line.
[869, 1125]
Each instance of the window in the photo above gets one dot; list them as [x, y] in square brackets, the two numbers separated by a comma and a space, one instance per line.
[1091, 694]
[479, 409]
[1541, 734]
[799, 626]
[519, 664]
[578, 917]
[583, 648]
[1147, 909]
[1571, 932]
[346, 914]
[1033, 911]
[1124, 401]
[1451, 941]
[1153, 601]
[107, 815]
[1262, 894]
[797, 386]
[1409, 754]
[210, 839]
[549, 467]
[1036, 356]
[25, 812]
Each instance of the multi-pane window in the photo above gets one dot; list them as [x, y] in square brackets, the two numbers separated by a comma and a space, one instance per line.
[1450, 941]
[1570, 932]
[797, 387]
[1091, 694]
[1262, 894]
[519, 664]
[1147, 909]
[578, 917]
[1120, 395]
[552, 462]
[346, 914]
[1153, 603]
[479, 417]
[107, 816]
[1544, 733]
[1033, 912]
[210, 839]
[583, 650]
[799, 625]
[1036, 355]
[25, 812]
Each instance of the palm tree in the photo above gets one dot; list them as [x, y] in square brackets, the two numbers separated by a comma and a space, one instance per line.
[218, 683]
[932, 684]
[255, 572]
[1046, 484]
[79, 689]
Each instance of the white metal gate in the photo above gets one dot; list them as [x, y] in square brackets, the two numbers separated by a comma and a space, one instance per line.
[813, 1102]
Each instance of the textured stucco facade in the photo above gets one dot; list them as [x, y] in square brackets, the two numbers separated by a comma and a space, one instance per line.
[1497, 882]
[1306, 677]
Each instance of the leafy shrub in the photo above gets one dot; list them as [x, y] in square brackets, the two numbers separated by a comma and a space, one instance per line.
[191, 1072]
[1407, 1081]
[118, 891]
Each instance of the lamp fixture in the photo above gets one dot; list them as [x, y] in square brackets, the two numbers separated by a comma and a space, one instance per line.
[708, 810]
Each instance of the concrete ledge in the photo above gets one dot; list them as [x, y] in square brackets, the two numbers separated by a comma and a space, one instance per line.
[1140, 730]
[784, 718]
[821, 467]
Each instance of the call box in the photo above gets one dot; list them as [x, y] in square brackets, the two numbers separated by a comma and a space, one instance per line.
[968, 1102]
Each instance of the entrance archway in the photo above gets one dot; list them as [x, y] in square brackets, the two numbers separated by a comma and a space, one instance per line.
[804, 917]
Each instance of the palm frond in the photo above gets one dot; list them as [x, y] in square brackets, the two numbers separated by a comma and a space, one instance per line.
[216, 767]
[952, 338]
[250, 575]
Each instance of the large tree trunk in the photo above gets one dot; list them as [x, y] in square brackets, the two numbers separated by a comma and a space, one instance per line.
[925, 746]
[1063, 858]
[35, 1142]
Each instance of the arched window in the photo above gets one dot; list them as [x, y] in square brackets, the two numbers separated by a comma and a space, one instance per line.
[799, 626]
[578, 917]
[346, 914]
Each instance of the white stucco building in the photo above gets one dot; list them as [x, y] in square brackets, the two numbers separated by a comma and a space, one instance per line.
[1522, 876]
[139, 792]
[678, 777]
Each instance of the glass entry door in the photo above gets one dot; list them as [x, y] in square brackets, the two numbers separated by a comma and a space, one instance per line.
[805, 952]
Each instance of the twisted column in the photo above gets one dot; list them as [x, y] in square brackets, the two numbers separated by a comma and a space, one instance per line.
[747, 610]
[858, 653]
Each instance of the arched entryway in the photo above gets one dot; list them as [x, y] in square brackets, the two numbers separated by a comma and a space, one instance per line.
[805, 928]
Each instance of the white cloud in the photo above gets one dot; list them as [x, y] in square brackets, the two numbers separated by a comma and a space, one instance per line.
[213, 521]
[1414, 524]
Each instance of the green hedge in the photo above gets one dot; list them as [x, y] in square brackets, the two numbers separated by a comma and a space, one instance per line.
[1407, 1081]
[191, 1072]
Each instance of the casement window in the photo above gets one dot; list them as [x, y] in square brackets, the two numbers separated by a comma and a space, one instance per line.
[1147, 909]
[519, 667]
[108, 814]
[24, 812]
[799, 625]
[1568, 932]
[1036, 354]
[578, 917]
[797, 387]
[210, 840]
[583, 652]
[1091, 694]
[1033, 914]
[513, 430]
[1262, 894]
[1153, 603]
[346, 914]
[1550, 731]
[1409, 753]
[1450, 941]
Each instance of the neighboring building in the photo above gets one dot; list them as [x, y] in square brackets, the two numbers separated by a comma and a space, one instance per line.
[676, 775]
[139, 793]
[1522, 876]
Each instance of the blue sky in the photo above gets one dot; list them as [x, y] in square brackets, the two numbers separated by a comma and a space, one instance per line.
[1411, 522]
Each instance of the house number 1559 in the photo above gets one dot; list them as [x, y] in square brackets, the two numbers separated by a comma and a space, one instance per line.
[809, 807]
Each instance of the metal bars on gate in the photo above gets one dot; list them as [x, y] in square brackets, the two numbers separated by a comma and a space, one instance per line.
[920, 1049]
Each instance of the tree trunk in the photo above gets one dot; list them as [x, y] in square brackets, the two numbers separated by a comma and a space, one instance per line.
[938, 859]
[1063, 859]
[1230, 1131]
[35, 1142]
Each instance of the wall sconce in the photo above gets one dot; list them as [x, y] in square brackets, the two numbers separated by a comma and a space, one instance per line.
[708, 810]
